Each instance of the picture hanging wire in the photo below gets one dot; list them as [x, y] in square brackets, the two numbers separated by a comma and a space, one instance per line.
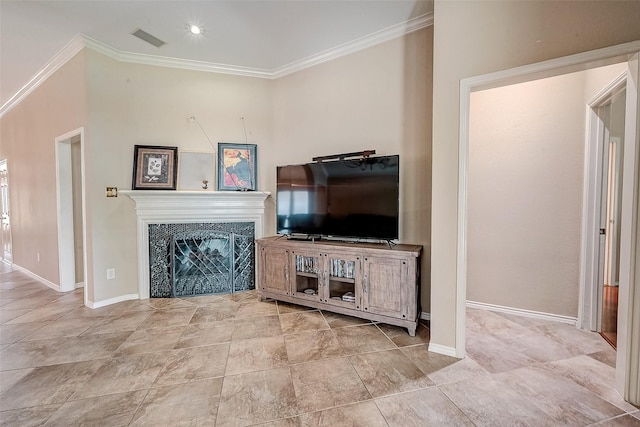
[194, 120]
[246, 141]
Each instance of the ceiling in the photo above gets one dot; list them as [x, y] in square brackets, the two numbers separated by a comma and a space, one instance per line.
[261, 35]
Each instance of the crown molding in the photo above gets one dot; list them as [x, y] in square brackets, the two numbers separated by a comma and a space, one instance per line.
[164, 61]
[62, 57]
[361, 43]
[81, 41]
[568, 64]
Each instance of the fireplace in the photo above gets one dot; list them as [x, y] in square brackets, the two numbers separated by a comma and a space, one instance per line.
[170, 221]
[203, 263]
[187, 259]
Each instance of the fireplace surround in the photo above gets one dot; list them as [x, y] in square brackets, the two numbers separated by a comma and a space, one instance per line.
[217, 209]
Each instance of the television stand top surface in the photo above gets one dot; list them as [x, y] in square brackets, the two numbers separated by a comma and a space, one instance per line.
[303, 237]
[328, 241]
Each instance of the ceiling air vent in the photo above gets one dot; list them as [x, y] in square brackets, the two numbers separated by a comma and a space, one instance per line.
[143, 35]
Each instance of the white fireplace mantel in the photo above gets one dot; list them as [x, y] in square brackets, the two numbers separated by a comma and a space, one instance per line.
[170, 207]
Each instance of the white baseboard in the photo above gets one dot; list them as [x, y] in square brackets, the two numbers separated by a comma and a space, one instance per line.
[521, 312]
[110, 301]
[442, 349]
[36, 277]
[79, 285]
[451, 351]
[437, 348]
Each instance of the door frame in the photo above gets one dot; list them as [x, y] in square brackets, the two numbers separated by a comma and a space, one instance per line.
[5, 260]
[627, 375]
[628, 357]
[590, 299]
[64, 193]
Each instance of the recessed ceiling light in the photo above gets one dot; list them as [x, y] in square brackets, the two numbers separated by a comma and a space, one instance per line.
[195, 29]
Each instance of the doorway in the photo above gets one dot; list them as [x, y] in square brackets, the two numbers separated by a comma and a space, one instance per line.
[7, 249]
[71, 210]
[628, 345]
[609, 114]
[525, 196]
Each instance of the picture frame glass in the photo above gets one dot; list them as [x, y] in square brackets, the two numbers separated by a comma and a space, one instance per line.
[237, 165]
[154, 167]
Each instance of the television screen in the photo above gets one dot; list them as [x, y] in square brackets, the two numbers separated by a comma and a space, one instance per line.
[356, 198]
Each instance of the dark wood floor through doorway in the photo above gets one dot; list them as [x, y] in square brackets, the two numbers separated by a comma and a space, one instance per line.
[610, 315]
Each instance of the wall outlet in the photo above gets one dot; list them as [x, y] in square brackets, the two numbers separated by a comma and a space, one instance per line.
[112, 191]
[111, 273]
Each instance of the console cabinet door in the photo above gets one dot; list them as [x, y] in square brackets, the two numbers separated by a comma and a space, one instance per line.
[307, 275]
[384, 286]
[274, 270]
[343, 276]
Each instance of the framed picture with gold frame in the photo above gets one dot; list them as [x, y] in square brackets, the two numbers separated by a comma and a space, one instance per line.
[154, 167]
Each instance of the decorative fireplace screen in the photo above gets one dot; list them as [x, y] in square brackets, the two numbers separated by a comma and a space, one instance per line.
[209, 262]
[200, 259]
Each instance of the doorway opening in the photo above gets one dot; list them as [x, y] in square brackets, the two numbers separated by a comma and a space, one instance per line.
[71, 210]
[628, 53]
[606, 128]
[525, 195]
[7, 248]
[526, 145]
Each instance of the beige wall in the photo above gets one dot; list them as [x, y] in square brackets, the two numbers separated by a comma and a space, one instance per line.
[526, 169]
[378, 98]
[133, 104]
[477, 37]
[27, 135]
[526, 155]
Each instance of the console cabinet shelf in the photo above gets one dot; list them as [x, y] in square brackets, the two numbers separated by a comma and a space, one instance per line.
[368, 280]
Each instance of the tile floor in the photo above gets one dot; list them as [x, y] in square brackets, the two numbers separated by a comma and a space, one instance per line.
[233, 361]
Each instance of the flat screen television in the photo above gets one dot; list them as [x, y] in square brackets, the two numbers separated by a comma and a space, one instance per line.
[352, 198]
